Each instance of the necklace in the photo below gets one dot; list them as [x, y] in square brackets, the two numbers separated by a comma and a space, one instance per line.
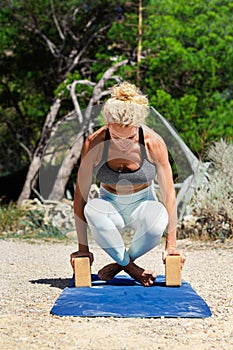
[123, 139]
[121, 168]
[123, 133]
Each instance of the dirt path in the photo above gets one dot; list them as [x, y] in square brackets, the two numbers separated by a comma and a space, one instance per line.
[34, 274]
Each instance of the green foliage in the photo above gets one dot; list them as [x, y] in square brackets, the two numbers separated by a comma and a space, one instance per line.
[191, 53]
[39, 42]
[34, 226]
[10, 217]
[186, 68]
[17, 222]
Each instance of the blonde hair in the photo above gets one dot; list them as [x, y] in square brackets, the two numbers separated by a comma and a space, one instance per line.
[126, 106]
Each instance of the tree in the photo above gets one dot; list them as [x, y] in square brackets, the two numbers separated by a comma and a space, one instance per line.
[73, 155]
[185, 64]
[181, 52]
[189, 59]
[65, 35]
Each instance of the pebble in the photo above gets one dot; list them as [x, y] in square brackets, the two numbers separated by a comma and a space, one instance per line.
[33, 276]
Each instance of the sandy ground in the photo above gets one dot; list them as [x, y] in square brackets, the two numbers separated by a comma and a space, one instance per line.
[33, 275]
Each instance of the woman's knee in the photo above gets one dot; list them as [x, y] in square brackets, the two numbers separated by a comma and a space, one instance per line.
[93, 208]
[154, 217]
[160, 214]
[159, 219]
[100, 211]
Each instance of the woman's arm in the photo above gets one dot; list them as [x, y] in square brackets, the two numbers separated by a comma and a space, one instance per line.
[166, 185]
[159, 155]
[83, 185]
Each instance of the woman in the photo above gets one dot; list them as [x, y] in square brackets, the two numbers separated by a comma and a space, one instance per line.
[125, 156]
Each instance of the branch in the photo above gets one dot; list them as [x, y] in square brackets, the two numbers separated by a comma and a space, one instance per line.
[47, 128]
[71, 88]
[89, 23]
[56, 21]
[97, 92]
[106, 76]
[27, 150]
[71, 158]
[117, 78]
[75, 13]
[33, 28]
[139, 49]
[61, 121]
[77, 39]
[81, 52]
[104, 93]
[52, 47]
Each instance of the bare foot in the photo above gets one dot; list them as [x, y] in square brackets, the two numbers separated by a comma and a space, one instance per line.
[109, 271]
[145, 277]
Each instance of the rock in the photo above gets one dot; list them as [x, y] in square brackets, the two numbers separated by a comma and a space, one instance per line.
[71, 235]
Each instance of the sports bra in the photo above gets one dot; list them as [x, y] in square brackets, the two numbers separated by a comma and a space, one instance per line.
[106, 175]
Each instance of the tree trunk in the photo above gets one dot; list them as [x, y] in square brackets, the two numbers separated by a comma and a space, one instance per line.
[66, 168]
[37, 157]
[139, 50]
[71, 159]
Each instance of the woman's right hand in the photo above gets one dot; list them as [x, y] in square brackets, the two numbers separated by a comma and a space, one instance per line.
[79, 254]
[173, 251]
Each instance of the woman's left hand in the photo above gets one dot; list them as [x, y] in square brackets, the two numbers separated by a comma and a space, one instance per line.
[174, 251]
[79, 254]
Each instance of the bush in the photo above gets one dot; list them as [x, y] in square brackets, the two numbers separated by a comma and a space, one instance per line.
[10, 217]
[213, 202]
[17, 222]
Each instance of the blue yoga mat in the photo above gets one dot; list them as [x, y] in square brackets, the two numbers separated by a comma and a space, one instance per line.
[124, 297]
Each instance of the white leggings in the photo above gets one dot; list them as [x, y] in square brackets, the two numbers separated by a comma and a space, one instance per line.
[140, 211]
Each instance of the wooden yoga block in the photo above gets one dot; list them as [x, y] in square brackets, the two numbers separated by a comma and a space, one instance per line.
[82, 272]
[173, 270]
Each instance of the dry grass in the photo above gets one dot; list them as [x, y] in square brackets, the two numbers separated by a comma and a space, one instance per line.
[212, 204]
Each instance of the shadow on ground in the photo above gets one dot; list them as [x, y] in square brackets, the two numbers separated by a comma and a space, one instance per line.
[54, 282]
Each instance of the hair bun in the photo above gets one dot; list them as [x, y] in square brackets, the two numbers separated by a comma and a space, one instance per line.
[124, 92]
[126, 106]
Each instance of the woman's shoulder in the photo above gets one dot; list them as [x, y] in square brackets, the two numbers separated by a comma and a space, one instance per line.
[151, 137]
[94, 144]
[155, 145]
[96, 137]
